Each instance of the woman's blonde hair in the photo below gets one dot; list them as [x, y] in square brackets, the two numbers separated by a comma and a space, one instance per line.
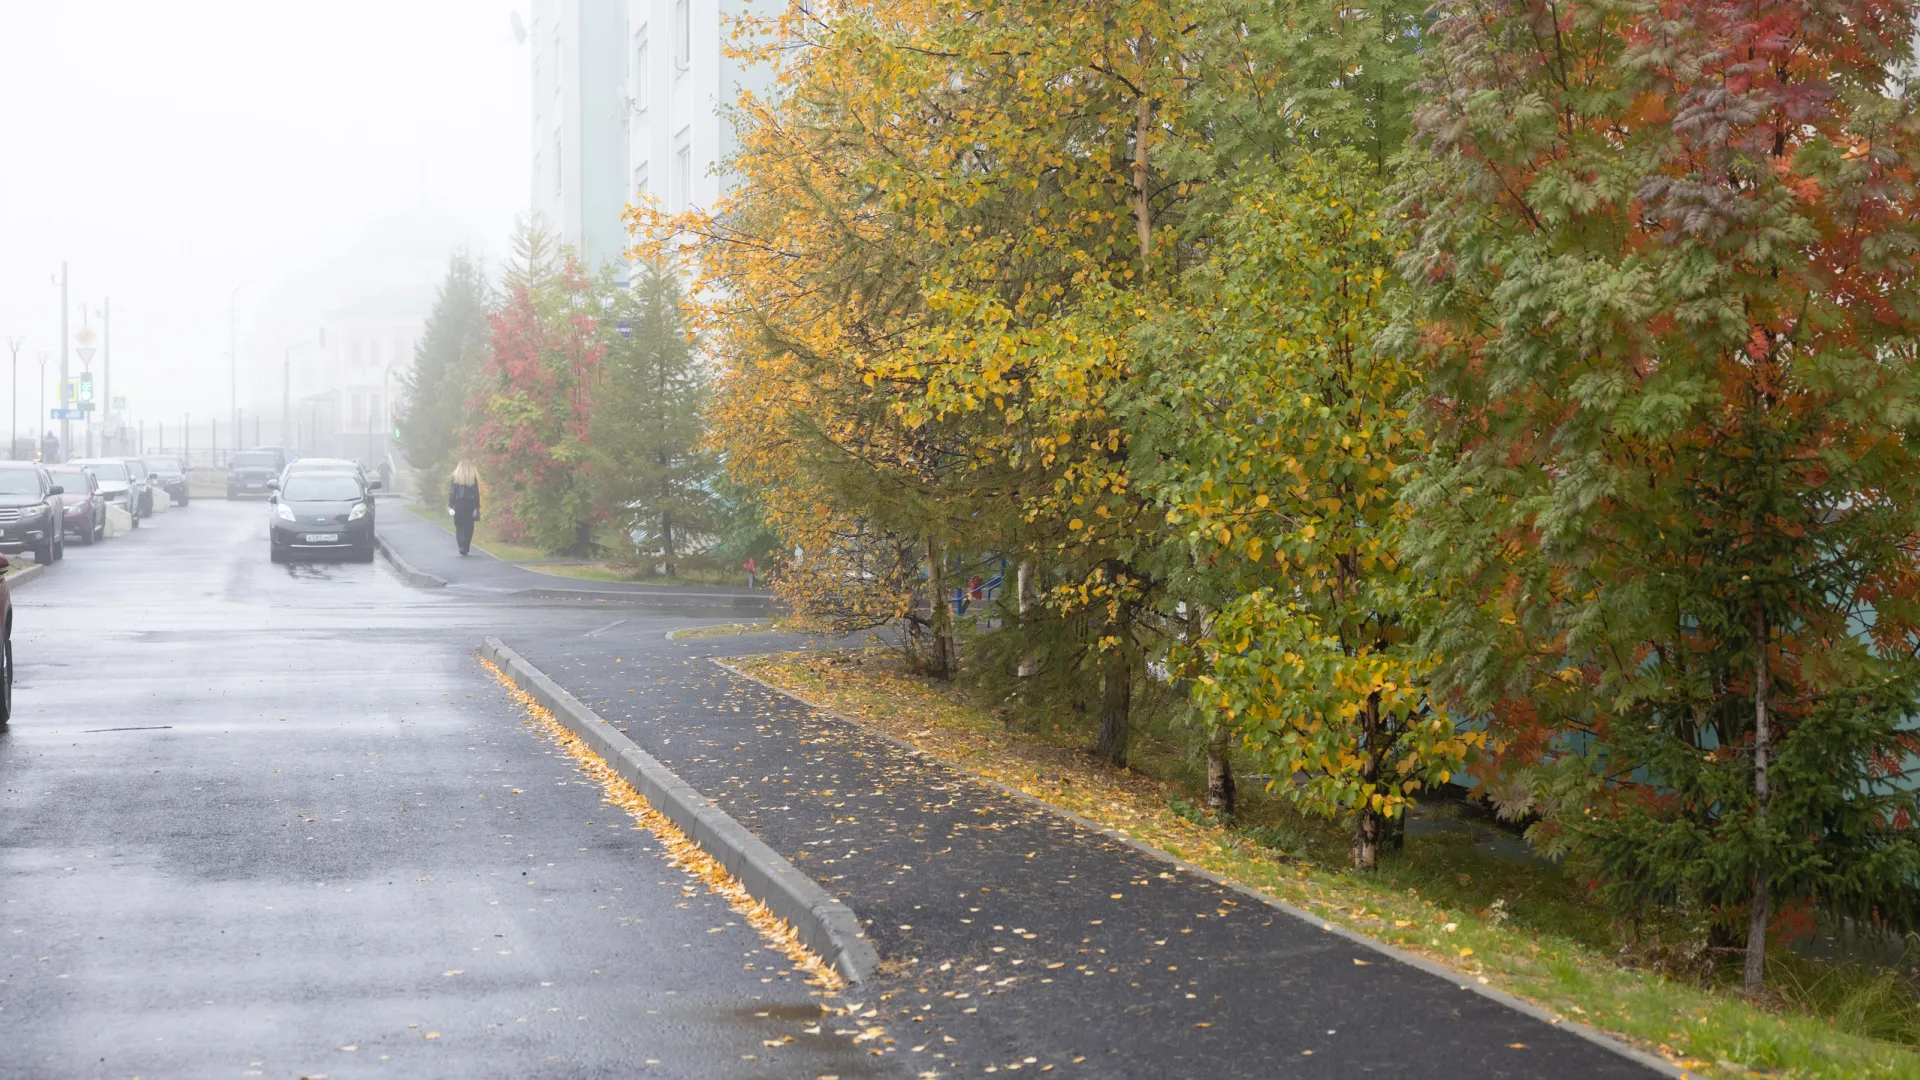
[465, 474]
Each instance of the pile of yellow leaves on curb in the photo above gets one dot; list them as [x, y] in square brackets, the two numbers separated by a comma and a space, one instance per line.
[682, 852]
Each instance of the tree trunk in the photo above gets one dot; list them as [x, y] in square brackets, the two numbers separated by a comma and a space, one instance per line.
[666, 539]
[1365, 853]
[939, 624]
[1116, 696]
[1369, 831]
[1758, 909]
[1029, 664]
[1142, 126]
[1220, 786]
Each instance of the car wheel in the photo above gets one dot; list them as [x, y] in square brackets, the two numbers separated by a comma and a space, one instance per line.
[363, 554]
[185, 499]
[44, 553]
[60, 546]
[274, 554]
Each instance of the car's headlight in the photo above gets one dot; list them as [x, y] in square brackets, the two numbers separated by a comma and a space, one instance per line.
[285, 511]
[359, 511]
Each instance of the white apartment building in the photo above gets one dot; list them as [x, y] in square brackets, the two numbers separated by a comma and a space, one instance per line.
[348, 412]
[632, 97]
[579, 179]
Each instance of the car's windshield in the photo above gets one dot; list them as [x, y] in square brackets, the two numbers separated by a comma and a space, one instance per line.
[73, 480]
[110, 470]
[163, 464]
[19, 482]
[321, 487]
[252, 461]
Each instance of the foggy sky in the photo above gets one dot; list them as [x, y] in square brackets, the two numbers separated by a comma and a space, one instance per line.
[172, 149]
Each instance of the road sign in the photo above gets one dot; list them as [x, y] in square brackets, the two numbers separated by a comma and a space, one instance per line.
[67, 414]
[119, 403]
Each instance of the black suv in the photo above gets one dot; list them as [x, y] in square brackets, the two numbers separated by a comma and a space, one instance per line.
[31, 514]
[173, 478]
[253, 472]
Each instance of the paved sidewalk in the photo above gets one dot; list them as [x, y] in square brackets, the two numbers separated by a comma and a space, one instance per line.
[431, 549]
[1011, 937]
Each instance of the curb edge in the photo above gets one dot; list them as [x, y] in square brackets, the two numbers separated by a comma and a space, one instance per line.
[1605, 1040]
[26, 575]
[401, 566]
[824, 924]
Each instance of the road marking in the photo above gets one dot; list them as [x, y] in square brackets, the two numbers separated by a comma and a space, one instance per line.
[604, 629]
[150, 727]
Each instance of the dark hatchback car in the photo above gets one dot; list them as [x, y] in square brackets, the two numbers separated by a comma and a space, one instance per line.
[30, 512]
[321, 513]
[85, 504]
[172, 478]
[252, 472]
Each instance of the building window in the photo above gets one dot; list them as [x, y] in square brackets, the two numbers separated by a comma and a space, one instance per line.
[641, 73]
[682, 34]
[556, 60]
[641, 181]
[682, 174]
[536, 172]
[556, 163]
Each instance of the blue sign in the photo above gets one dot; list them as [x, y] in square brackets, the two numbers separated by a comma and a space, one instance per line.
[67, 414]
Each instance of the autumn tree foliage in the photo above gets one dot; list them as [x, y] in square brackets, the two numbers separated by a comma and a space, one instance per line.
[533, 396]
[1276, 433]
[1661, 266]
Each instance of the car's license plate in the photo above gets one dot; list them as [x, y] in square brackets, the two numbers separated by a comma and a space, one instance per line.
[323, 538]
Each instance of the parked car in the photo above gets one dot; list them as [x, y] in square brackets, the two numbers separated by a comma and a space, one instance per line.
[172, 478]
[116, 483]
[333, 465]
[321, 512]
[31, 512]
[85, 513]
[341, 466]
[252, 472]
[143, 478]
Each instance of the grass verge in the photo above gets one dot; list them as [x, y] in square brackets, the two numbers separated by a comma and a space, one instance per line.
[484, 537]
[1521, 928]
[732, 629]
[600, 571]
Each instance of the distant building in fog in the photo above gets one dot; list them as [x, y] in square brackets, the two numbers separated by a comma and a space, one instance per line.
[346, 394]
[631, 97]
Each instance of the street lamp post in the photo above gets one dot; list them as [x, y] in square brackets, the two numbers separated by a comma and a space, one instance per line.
[39, 444]
[13, 343]
[66, 431]
[105, 403]
[233, 363]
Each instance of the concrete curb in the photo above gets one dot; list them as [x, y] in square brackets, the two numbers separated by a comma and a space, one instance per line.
[404, 568]
[824, 924]
[25, 575]
[1464, 981]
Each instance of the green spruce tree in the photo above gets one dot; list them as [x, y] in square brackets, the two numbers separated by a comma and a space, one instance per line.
[655, 478]
[433, 411]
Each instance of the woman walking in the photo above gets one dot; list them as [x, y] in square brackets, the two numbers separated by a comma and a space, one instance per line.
[463, 501]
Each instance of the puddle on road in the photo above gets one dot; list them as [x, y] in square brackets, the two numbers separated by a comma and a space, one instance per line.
[805, 1011]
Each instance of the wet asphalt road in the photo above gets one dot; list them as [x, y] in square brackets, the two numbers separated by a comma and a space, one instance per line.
[277, 821]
